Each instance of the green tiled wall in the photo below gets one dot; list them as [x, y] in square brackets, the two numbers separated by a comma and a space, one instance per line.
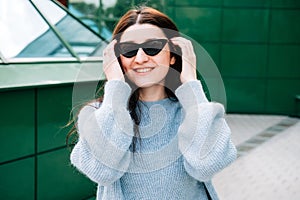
[244, 60]
[214, 51]
[255, 44]
[197, 19]
[53, 112]
[284, 60]
[54, 172]
[195, 3]
[17, 109]
[245, 94]
[247, 3]
[34, 161]
[245, 25]
[285, 3]
[17, 179]
[285, 26]
[281, 95]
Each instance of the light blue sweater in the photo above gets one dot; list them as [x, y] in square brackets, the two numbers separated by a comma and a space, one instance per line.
[183, 144]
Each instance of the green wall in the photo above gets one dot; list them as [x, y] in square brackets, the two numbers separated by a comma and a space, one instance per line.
[255, 44]
[34, 160]
[36, 100]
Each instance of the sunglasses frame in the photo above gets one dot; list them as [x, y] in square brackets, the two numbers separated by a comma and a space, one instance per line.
[132, 53]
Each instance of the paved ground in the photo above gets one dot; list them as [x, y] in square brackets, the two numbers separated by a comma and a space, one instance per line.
[268, 166]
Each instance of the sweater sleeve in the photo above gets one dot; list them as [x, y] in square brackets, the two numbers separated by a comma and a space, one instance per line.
[204, 136]
[105, 134]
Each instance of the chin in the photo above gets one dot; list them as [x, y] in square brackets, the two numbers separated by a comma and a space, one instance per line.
[145, 84]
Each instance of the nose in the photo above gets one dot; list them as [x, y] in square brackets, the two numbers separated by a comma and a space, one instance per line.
[141, 56]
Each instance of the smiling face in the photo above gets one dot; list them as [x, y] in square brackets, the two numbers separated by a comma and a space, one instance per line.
[145, 69]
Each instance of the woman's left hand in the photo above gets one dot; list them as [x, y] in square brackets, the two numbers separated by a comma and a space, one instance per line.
[111, 66]
[188, 72]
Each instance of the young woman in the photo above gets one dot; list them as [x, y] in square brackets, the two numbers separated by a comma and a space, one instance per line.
[154, 134]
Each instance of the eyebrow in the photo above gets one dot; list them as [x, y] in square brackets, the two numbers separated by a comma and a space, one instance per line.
[150, 39]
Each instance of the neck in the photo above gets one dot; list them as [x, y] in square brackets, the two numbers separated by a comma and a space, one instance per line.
[153, 93]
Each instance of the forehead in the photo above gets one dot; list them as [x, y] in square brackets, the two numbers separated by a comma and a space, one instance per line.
[141, 32]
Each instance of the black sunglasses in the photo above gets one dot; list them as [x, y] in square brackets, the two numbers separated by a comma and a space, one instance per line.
[151, 47]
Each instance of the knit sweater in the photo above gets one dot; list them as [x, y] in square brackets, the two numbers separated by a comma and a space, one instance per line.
[183, 144]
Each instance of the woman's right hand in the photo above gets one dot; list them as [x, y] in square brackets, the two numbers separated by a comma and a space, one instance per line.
[111, 66]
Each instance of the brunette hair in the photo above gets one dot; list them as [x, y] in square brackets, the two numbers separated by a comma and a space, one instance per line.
[147, 15]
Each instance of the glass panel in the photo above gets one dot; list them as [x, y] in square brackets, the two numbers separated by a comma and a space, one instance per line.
[25, 34]
[83, 41]
[102, 15]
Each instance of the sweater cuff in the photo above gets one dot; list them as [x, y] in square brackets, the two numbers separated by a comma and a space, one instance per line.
[190, 93]
[116, 93]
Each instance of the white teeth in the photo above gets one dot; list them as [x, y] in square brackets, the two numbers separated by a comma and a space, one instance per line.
[143, 70]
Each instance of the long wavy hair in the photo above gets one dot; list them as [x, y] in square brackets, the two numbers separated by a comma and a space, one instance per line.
[147, 15]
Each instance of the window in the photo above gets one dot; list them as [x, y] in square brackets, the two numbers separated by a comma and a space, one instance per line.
[43, 29]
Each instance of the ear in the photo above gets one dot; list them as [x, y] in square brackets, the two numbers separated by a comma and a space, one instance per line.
[172, 61]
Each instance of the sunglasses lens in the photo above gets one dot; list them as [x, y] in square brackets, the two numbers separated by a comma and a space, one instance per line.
[151, 48]
[151, 51]
[130, 54]
[128, 49]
